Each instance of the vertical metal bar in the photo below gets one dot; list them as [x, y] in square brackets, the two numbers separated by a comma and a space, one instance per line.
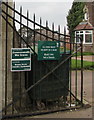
[64, 97]
[14, 26]
[46, 30]
[20, 46]
[1, 53]
[46, 62]
[20, 24]
[65, 57]
[59, 33]
[33, 90]
[40, 28]
[6, 60]
[26, 73]
[34, 32]
[53, 31]
[70, 69]
[40, 69]
[34, 62]
[27, 27]
[13, 47]
[76, 75]
[81, 70]
[64, 40]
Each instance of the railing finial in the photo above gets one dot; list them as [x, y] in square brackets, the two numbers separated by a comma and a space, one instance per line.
[58, 28]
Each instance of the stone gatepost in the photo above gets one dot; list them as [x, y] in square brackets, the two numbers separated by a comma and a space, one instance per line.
[10, 80]
[0, 63]
[6, 58]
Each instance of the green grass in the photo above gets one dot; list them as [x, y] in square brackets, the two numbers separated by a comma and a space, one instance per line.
[86, 65]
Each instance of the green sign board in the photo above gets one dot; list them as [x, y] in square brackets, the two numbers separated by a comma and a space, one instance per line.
[20, 53]
[48, 50]
[20, 59]
[21, 65]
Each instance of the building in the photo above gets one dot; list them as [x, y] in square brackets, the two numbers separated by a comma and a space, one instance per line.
[85, 29]
[37, 35]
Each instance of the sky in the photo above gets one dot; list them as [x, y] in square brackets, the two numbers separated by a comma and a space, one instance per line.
[53, 12]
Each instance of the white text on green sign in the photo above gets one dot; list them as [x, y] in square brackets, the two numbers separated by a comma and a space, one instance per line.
[48, 50]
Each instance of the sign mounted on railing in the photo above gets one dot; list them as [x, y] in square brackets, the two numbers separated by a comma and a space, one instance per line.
[20, 59]
[48, 50]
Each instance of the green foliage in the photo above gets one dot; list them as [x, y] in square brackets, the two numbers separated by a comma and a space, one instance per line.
[75, 15]
[86, 65]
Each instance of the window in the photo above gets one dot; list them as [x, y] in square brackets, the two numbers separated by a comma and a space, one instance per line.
[79, 34]
[88, 31]
[87, 36]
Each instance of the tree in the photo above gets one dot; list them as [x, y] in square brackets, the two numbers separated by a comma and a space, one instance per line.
[75, 16]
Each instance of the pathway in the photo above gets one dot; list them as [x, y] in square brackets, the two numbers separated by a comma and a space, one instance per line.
[86, 58]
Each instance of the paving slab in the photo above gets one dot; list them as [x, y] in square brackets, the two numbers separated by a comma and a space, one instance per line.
[86, 58]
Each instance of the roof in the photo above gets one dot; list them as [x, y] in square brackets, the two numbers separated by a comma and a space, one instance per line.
[84, 26]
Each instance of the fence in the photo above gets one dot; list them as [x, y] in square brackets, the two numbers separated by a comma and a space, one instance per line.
[49, 86]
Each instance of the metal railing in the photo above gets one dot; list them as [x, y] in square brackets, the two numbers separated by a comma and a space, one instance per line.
[33, 34]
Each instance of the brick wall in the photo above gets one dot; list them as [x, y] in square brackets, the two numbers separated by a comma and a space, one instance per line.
[90, 6]
[88, 48]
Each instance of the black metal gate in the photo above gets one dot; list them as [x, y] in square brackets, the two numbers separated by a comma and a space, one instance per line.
[49, 86]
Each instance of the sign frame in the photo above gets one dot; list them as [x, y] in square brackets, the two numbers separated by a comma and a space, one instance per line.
[48, 50]
[22, 57]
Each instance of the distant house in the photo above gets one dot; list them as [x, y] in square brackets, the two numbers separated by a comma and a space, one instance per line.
[39, 34]
[86, 28]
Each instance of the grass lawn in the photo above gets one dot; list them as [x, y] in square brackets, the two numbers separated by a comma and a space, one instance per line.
[86, 65]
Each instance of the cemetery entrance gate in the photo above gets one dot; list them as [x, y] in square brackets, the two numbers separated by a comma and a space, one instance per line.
[41, 61]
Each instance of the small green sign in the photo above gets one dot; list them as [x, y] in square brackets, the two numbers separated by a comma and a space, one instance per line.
[20, 59]
[19, 65]
[20, 53]
[48, 50]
